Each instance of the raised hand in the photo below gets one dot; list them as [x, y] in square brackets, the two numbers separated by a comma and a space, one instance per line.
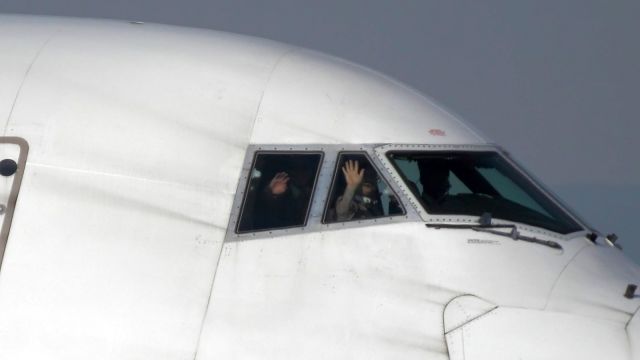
[352, 174]
[279, 183]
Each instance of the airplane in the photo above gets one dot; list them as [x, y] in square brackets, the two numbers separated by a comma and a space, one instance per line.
[179, 193]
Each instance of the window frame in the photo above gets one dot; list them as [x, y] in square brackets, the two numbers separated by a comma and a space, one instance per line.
[382, 153]
[248, 183]
[320, 192]
[337, 173]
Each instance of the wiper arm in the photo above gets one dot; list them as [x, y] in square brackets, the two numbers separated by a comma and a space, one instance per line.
[515, 235]
[485, 225]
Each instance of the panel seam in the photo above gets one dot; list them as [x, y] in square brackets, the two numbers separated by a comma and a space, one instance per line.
[24, 80]
[266, 86]
[557, 280]
[215, 271]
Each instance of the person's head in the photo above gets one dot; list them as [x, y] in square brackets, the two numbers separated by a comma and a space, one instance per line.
[369, 186]
[434, 177]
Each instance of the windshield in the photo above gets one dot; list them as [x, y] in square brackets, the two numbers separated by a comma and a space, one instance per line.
[474, 183]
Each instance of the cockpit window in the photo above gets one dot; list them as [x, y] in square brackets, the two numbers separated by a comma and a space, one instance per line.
[359, 192]
[474, 183]
[279, 191]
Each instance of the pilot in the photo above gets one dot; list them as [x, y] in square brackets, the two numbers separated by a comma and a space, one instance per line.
[361, 198]
[285, 198]
[434, 177]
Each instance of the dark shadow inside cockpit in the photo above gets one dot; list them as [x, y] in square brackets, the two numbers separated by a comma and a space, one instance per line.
[279, 191]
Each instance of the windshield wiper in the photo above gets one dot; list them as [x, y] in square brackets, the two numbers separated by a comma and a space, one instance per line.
[485, 225]
[515, 235]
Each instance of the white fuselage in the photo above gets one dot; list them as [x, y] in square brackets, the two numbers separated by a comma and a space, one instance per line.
[122, 242]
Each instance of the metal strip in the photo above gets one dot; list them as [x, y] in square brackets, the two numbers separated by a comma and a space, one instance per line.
[15, 189]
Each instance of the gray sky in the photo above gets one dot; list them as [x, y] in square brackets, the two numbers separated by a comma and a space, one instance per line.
[554, 82]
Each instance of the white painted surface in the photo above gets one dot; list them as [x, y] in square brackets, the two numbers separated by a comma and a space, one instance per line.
[374, 292]
[633, 334]
[605, 266]
[312, 98]
[537, 335]
[138, 135]
[105, 269]
[359, 294]
[463, 309]
[17, 56]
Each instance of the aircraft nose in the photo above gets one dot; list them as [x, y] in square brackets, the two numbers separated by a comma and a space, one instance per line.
[597, 283]
[601, 283]
[633, 333]
[591, 313]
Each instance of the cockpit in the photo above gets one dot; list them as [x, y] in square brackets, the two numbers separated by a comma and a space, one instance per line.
[289, 189]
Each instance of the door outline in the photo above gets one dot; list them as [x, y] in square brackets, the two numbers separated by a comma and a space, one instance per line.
[15, 190]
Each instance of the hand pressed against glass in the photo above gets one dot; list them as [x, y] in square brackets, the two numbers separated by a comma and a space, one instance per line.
[279, 183]
[360, 197]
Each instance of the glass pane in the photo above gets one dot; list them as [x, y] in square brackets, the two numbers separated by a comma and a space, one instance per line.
[510, 190]
[359, 192]
[473, 183]
[279, 191]
[457, 186]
